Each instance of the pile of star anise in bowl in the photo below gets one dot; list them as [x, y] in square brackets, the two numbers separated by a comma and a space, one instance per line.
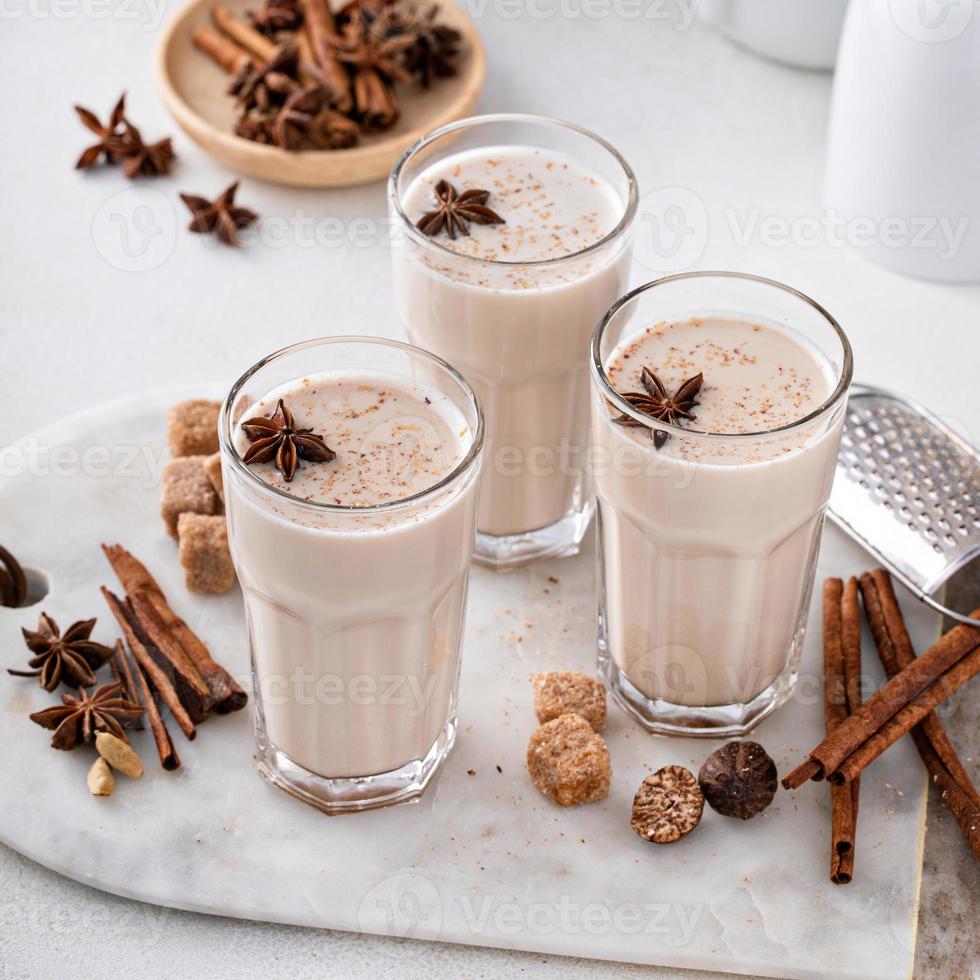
[305, 78]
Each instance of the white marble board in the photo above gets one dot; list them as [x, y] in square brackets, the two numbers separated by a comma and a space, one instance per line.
[483, 859]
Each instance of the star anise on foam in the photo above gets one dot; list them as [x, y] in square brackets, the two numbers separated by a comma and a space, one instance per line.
[71, 658]
[277, 438]
[453, 211]
[655, 402]
[77, 720]
[107, 134]
[220, 216]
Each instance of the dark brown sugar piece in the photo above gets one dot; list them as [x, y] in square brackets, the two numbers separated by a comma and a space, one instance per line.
[668, 805]
[563, 692]
[569, 762]
[738, 780]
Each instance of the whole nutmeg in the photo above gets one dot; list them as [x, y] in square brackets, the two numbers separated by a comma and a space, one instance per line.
[738, 780]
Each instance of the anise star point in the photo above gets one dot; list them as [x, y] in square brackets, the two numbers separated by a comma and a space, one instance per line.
[454, 211]
[655, 401]
[221, 216]
[70, 657]
[276, 438]
[77, 719]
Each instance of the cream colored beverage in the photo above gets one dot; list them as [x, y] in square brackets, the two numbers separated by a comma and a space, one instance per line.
[709, 542]
[354, 573]
[513, 303]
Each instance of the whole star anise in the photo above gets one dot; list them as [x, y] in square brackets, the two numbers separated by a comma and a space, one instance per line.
[220, 216]
[306, 120]
[142, 159]
[107, 134]
[454, 210]
[276, 438]
[277, 15]
[119, 140]
[655, 402]
[77, 720]
[265, 86]
[71, 658]
[435, 50]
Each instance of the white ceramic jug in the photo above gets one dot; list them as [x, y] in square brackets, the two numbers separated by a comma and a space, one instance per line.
[802, 33]
[903, 158]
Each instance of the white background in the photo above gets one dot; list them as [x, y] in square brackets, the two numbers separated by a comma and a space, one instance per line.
[86, 316]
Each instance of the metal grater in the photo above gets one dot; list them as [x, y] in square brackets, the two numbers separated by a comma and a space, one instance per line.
[907, 488]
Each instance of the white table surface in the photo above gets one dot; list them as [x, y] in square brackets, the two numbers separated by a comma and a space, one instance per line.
[87, 314]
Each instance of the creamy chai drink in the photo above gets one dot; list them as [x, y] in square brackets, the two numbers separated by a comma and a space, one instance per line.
[717, 410]
[514, 235]
[353, 562]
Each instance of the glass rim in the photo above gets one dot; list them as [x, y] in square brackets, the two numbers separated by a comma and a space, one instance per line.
[460, 469]
[470, 122]
[599, 371]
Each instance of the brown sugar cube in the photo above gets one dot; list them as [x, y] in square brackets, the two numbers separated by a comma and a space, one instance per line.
[212, 466]
[568, 762]
[204, 553]
[567, 692]
[186, 490]
[193, 428]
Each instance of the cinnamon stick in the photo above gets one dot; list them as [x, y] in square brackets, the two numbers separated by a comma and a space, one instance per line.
[843, 817]
[895, 648]
[225, 694]
[242, 33]
[907, 718]
[264, 48]
[322, 32]
[845, 842]
[161, 683]
[123, 674]
[222, 50]
[156, 631]
[929, 737]
[169, 758]
[901, 690]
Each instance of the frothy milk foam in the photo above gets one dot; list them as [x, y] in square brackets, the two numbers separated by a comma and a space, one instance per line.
[518, 332]
[708, 542]
[355, 623]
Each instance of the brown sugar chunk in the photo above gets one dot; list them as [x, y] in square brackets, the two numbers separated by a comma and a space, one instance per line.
[186, 490]
[668, 805]
[567, 692]
[192, 428]
[568, 762]
[212, 466]
[204, 553]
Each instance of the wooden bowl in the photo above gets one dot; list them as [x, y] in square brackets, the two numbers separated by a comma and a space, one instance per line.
[194, 90]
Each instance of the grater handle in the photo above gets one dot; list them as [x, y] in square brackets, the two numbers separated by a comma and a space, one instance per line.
[945, 610]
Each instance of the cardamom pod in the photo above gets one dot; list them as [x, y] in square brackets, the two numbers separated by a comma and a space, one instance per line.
[118, 754]
[100, 780]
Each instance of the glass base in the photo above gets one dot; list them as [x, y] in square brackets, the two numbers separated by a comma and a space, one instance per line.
[715, 721]
[557, 540]
[350, 795]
